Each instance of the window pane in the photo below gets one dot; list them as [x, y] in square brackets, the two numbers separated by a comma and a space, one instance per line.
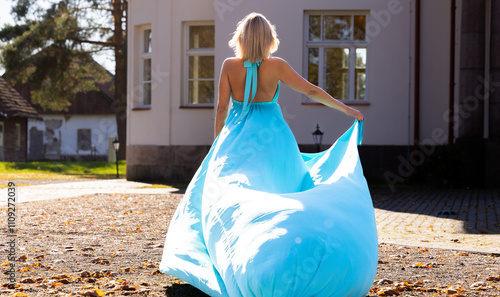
[312, 72]
[314, 27]
[201, 67]
[84, 139]
[201, 92]
[337, 27]
[202, 36]
[147, 70]
[146, 93]
[337, 72]
[360, 73]
[361, 58]
[359, 27]
[147, 41]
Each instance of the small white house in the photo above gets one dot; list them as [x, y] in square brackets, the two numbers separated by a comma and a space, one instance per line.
[391, 59]
[83, 132]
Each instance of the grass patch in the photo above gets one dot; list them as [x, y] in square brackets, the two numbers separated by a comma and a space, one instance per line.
[156, 186]
[168, 186]
[61, 169]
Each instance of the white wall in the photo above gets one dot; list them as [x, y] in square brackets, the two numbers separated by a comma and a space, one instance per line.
[389, 114]
[149, 126]
[434, 69]
[102, 127]
[388, 70]
[190, 126]
[166, 123]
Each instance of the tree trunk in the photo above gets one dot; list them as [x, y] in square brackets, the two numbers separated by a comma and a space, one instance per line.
[120, 104]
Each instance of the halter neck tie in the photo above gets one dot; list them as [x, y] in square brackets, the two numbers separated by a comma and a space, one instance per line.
[251, 80]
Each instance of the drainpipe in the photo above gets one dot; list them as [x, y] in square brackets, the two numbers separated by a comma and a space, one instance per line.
[451, 105]
[487, 53]
[416, 117]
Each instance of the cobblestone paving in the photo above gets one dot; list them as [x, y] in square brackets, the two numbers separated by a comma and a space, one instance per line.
[453, 219]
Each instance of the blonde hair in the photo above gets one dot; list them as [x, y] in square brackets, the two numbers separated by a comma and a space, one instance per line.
[255, 39]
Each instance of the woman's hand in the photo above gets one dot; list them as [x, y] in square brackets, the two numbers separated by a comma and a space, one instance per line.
[355, 113]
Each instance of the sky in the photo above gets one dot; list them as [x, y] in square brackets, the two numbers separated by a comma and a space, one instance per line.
[6, 19]
[5, 16]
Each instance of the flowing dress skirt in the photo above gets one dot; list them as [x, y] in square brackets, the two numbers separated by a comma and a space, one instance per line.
[261, 219]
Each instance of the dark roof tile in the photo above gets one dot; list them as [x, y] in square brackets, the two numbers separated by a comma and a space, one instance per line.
[12, 104]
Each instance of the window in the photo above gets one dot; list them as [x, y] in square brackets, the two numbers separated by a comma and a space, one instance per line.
[18, 135]
[199, 64]
[335, 56]
[146, 49]
[83, 141]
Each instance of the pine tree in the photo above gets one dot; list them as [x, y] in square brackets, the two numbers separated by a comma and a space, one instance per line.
[51, 49]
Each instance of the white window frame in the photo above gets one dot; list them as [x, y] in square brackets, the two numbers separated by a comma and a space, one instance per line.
[145, 56]
[187, 52]
[323, 44]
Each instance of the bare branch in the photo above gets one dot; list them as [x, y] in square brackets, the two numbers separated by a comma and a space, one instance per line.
[110, 44]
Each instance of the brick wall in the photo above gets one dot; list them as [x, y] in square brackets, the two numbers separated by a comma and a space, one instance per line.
[11, 152]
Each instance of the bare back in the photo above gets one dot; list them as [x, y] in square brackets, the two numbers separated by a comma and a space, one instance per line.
[269, 73]
[267, 79]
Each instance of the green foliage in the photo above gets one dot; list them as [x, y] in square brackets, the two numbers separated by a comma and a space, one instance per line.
[67, 168]
[52, 51]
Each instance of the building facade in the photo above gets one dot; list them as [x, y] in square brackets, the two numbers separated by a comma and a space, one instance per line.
[407, 65]
[85, 131]
[15, 112]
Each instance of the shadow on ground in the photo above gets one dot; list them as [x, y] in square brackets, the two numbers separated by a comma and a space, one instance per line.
[479, 209]
[184, 290]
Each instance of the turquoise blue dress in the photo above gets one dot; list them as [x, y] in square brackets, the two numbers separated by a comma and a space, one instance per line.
[259, 218]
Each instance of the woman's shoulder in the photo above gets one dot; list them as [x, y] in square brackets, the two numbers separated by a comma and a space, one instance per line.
[238, 61]
[275, 62]
[232, 61]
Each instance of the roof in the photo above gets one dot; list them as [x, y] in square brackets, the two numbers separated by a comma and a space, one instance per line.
[13, 105]
[84, 103]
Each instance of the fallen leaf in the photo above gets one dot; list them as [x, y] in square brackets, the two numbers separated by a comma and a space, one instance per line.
[384, 282]
[493, 278]
[99, 292]
[28, 281]
[387, 292]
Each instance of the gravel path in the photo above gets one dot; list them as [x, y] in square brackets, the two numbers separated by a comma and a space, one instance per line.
[112, 243]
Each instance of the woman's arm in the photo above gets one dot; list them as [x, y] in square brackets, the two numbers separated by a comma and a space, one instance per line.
[223, 103]
[292, 79]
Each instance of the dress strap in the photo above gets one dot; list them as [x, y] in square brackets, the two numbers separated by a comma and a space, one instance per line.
[276, 95]
[251, 81]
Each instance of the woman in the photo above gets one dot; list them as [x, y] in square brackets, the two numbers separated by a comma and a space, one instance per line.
[259, 218]
[254, 41]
